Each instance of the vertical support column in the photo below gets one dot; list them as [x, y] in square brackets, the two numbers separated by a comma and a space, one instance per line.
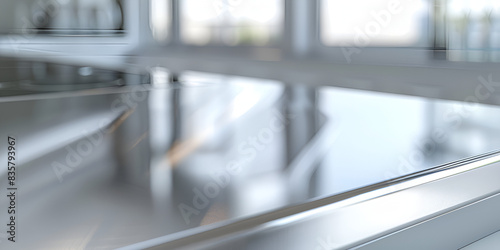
[439, 28]
[176, 22]
[301, 27]
[301, 36]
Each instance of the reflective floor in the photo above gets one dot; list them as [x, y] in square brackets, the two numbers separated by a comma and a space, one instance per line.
[125, 164]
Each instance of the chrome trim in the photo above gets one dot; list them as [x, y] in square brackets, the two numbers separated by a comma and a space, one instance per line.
[349, 204]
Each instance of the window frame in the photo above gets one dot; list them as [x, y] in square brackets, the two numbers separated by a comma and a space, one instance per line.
[428, 49]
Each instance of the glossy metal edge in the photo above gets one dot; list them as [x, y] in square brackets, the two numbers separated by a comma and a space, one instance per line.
[351, 204]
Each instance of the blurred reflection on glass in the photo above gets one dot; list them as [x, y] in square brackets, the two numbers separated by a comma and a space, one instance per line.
[231, 22]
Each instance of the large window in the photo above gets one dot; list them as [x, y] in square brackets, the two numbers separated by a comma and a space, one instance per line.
[473, 24]
[367, 23]
[231, 22]
[468, 29]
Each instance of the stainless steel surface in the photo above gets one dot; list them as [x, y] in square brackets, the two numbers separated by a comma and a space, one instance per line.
[488, 242]
[109, 157]
[107, 168]
[451, 230]
[369, 218]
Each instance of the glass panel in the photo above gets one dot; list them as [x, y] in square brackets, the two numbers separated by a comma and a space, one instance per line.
[231, 22]
[473, 30]
[365, 23]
